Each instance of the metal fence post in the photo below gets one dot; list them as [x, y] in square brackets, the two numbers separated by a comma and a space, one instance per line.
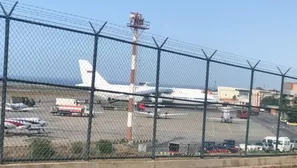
[157, 95]
[208, 59]
[280, 106]
[250, 104]
[5, 78]
[96, 36]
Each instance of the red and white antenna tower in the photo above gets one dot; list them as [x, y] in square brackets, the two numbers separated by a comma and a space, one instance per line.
[136, 23]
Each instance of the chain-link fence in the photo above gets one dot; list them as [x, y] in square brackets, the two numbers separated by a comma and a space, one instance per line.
[69, 92]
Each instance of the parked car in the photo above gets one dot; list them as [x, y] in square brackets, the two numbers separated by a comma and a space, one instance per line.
[255, 147]
[208, 146]
[230, 144]
[284, 144]
[293, 144]
[267, 147]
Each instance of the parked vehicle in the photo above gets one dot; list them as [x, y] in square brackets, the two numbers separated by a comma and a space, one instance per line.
[267, 147]
[255, 147]
[212, 148]
[70, 107]
[208, 146]
[218, 149]
[284, 144]
[180, 149]
[255, 111]
[242, 113]
[226, 116]
[293, 144]
[230, 144]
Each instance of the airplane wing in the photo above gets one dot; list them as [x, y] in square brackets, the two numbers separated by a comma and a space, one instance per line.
[177, 114]
[27, 109]
[146, 92]
[153, 105]
[145, 113]
[218, 118]
[163, 114]
[19, 109]
[153, 91]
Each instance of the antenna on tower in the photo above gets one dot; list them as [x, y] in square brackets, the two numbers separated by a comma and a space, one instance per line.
[136, 23]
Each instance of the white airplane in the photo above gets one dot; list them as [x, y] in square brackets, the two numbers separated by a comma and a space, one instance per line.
[144, 90]
[165, 115]
[31, 124]
[18, 107]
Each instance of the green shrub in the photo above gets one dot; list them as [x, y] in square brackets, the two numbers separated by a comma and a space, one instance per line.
[123, 141]
[77, 147]
[41, 148]
[104, 146]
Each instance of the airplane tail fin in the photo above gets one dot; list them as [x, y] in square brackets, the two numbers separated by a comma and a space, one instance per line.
[86, 75]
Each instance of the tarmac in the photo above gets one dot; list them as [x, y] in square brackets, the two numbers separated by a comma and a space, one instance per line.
[269, 121]
[111, 124]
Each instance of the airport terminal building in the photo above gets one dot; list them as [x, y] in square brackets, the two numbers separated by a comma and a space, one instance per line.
[290, 91]
[241, 95]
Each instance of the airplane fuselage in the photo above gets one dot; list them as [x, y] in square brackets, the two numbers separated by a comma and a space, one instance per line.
[145, 90]
[119, 89]
[178, 93]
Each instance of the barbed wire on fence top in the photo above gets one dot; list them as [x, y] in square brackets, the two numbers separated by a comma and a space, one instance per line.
[42, 15]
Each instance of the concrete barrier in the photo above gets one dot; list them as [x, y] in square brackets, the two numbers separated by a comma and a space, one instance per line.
[282, 161]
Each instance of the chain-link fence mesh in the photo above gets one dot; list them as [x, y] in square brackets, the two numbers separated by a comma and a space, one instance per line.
[39, 54]
[224, 124]
[180, 124]
[58, 105]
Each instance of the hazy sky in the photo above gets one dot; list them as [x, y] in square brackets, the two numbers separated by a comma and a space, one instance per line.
[264, 30]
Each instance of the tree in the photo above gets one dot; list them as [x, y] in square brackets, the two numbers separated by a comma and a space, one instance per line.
[295, 100]
[269, 100]
[292, 113]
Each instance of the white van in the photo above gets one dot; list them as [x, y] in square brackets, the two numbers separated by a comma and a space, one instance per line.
[284, 144]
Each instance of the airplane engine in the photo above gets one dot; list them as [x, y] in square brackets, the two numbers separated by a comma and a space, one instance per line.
[164, 100]
[160, 100]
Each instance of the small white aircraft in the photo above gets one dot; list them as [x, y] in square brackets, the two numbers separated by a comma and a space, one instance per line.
[165, 115]
[18, 107]
[31, 124]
